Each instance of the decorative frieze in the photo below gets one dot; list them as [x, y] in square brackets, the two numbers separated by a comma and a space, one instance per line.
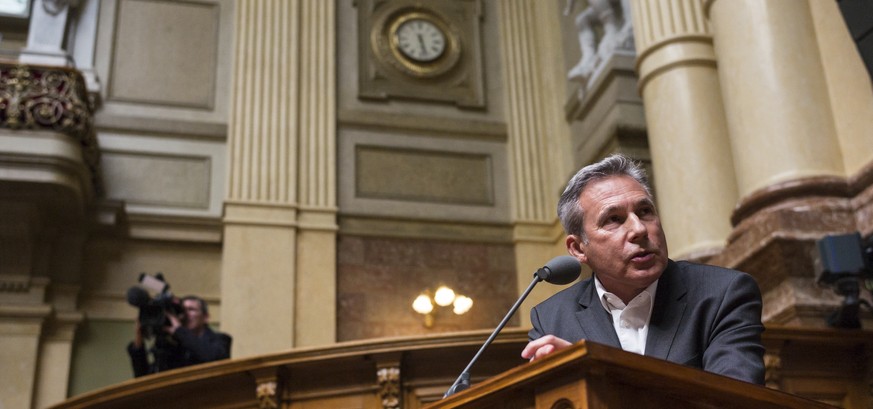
[49, 99]
[266, 395]
[772, 368]
[389, 387]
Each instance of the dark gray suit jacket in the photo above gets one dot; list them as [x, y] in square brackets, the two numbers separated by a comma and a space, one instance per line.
[704, 316]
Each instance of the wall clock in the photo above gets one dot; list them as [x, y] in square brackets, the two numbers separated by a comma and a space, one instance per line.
[418, 43]
[419, 39]
[427, 50]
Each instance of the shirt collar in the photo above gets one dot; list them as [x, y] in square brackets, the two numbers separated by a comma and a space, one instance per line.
[603, 295]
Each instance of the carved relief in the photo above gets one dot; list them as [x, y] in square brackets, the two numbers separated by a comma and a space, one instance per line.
[53, 99]
[772, 370]
[266, 395]
[34, 98]
[389, 387]
[613, 19]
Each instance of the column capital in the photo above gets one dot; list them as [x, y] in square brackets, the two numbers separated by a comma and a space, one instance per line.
[669, 35]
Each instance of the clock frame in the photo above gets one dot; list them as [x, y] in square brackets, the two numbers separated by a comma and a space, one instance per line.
[438, 66]
[431, 38]
[384, 72]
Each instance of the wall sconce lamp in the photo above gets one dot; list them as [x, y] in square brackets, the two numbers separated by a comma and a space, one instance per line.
[443, 297]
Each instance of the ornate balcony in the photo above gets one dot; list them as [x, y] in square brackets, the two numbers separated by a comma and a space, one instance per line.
[48, 178]
[47, 139]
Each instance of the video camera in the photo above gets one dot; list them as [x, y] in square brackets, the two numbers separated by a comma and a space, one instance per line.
[845, 263]
[153, 309]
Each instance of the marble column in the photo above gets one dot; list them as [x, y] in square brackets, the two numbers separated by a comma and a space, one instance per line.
[688, 134]
[775, 92]
[778, 79]
[279, 258]
[851, 102]
[538, 136]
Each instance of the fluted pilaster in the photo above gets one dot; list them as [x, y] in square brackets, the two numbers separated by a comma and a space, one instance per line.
[263, 118]
[317, 155]
[688, 135]
[281, 201]
[538, 136]
[283, 116]
[532, 199]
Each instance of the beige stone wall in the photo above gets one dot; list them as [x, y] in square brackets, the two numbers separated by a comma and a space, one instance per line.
[161, 121]
[378, 278]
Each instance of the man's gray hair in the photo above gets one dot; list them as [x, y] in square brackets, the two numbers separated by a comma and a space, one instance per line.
[614, 165]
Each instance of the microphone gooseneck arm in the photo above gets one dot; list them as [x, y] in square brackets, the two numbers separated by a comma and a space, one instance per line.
[559, 270]
[463, 381]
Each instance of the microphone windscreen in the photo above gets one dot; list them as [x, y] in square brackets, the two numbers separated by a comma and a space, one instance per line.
[138, 297]
[560, 270]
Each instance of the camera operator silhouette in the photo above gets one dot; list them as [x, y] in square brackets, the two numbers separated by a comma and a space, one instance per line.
[183, 340]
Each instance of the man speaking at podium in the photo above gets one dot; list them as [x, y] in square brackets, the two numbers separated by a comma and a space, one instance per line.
[637, 299]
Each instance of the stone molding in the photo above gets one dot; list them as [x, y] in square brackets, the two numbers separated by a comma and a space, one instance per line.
[818, 186]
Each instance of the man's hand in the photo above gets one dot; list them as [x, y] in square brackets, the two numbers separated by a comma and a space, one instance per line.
[174, 323]
[543, 346]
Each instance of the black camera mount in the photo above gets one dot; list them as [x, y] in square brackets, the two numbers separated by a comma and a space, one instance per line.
[845, 262]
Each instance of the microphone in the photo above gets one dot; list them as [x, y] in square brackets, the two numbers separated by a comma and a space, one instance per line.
[559, 270]
[138, 297]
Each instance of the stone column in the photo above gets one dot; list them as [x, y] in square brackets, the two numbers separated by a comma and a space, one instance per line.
[790, 170]
[279, 263]
[849, 89]
[317, 227]
[775, 92]
[688, 137]
[55, 357]
[538, 136]
[22, 317]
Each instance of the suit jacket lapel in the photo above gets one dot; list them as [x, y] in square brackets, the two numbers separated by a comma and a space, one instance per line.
[667, 312]
[595, 322]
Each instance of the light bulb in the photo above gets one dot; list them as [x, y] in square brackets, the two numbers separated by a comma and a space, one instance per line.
[462, 304]
[444, 296]
[422, 304]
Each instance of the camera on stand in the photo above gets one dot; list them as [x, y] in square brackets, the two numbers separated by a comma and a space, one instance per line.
[845, 264]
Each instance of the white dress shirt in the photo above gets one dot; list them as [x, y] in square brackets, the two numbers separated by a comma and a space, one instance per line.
[631, 321]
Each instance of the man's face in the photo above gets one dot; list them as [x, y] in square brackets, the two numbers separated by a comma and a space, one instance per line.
[625, 246]
[194, 317]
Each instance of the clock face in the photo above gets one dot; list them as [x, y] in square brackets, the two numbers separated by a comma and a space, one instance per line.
[420, 40]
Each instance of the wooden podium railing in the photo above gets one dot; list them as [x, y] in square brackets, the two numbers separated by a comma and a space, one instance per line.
[590, 375]
[403, 372]
[413, 372]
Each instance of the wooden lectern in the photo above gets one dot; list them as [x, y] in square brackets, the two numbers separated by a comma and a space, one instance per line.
[591, 375]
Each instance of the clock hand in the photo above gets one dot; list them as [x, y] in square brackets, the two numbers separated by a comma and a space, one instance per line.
[421, 42]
